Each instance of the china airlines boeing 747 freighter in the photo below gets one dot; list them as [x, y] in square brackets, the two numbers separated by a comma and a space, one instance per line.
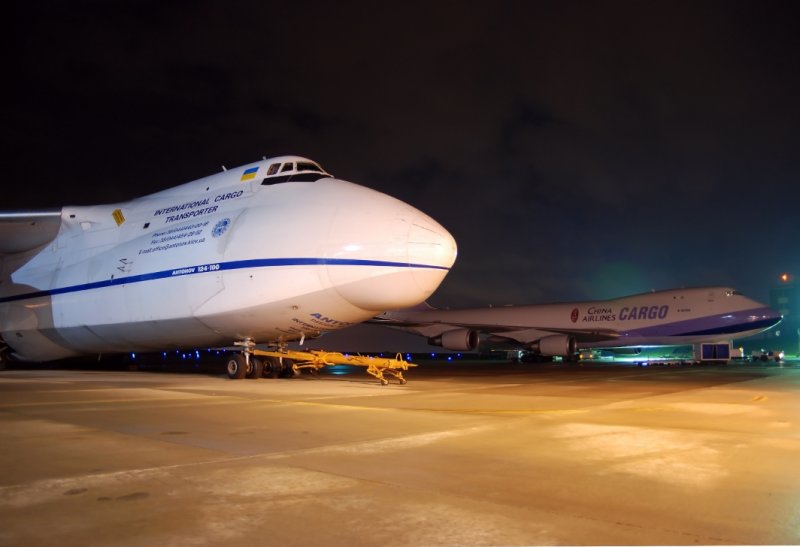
[267, 253]
[670, 317]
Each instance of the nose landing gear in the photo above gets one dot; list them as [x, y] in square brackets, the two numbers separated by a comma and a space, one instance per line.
[285, 363]
[244, 364]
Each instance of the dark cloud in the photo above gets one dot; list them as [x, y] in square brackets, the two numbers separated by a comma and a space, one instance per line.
[574, 149]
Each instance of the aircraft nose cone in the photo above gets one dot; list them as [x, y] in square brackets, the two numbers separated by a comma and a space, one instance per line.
[433, 248]
[385, 254]
[764, 318]
[774, 317]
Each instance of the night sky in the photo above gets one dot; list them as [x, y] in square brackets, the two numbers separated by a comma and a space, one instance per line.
[575, 150]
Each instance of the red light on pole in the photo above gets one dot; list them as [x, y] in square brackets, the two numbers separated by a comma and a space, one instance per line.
[785, 277]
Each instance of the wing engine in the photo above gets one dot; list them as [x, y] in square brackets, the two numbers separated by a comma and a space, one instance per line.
[456, 340]
[557, 344]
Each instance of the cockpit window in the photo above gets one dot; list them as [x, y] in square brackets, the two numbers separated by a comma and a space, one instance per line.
[308, 166]
[733, 293]
[301, 171]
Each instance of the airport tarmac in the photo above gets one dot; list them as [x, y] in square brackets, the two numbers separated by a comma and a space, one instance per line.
[472, 454]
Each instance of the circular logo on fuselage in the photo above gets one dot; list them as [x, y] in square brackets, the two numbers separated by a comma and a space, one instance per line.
[220, 227]
[574, 315]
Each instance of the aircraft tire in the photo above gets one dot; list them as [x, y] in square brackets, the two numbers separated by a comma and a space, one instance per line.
[287, 371]
[256, 368]
[236, 367]
[272, 367]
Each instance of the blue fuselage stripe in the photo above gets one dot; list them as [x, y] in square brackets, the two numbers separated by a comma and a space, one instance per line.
[711, 325]
[727, 329]
[733, 328]
[217, 267]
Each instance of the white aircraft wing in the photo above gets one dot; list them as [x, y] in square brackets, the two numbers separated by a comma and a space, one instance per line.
[584, 335]
[25, 230]
[580, 335]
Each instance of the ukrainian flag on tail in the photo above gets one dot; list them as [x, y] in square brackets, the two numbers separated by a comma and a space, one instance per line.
[249, 174]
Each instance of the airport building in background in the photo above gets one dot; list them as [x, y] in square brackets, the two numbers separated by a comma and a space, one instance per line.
[785, 299]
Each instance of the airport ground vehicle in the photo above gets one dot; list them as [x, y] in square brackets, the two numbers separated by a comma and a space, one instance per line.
[767, 355]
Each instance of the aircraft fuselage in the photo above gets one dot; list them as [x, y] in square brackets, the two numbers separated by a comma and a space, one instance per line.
[234, 256]
[669, 317]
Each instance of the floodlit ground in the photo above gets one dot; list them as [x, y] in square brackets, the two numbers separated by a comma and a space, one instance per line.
[464, 454]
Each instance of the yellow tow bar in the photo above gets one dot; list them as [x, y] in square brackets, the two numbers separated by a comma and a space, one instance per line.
[317, 359]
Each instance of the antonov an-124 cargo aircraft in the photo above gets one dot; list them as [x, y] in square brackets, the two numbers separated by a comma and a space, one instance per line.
[267, 253]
